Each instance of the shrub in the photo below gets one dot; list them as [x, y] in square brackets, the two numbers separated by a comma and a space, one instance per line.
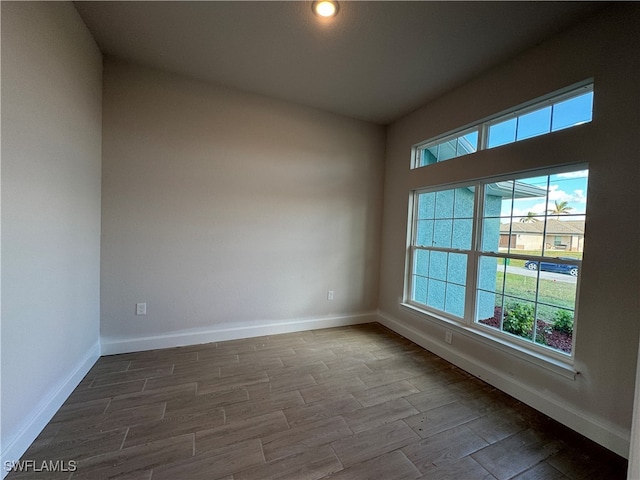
[563, 321]
[518, 319]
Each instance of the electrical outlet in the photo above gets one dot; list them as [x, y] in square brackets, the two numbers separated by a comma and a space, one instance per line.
[448, 337]
[141, 308]
[330, 295]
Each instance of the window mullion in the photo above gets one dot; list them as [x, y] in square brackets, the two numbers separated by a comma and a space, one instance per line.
[484, 136]
[473, 257]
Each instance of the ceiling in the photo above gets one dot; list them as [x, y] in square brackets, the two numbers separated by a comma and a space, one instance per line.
[375, 61]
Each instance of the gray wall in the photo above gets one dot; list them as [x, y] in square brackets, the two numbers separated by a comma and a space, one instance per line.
[51, 138]
[230, 214]
[599, 401]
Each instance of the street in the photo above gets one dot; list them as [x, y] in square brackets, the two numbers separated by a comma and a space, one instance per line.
[559, 277]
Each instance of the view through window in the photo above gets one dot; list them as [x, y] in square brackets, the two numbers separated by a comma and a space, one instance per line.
[503, 256]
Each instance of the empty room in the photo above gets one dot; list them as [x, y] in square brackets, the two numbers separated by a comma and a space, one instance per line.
[319, 239]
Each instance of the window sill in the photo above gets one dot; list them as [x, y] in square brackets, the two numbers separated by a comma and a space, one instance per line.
[548, 362]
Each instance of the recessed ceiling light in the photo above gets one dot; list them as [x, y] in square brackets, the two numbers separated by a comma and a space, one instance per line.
[325, 8]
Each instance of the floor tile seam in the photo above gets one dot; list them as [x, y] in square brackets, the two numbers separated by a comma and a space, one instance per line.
[322, 444]
[543, 460]
[469, 454]
[335, 454]
[104, 412]
[437, 405]
[124, 439]
[143, 440]
[546, 463]
[255, 436]
[92, 386]
[495, 441]
[53, 442]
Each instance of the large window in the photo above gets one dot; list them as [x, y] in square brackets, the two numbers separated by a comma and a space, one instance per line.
[555, 112]
[502, 256]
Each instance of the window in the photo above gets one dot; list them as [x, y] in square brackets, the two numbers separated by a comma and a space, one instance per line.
[560, 113]
[444, 221]
[502, 256]
[557, 112]
[444, 149]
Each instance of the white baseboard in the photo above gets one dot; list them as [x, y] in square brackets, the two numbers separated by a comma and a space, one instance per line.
[196, 337]
[600, 431]
[45, 410]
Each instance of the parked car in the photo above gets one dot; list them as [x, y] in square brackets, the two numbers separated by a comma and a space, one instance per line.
[553, 267]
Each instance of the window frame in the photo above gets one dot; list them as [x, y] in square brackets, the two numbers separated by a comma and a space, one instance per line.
[548, 357]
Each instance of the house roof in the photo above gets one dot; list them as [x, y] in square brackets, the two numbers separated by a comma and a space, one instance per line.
[515, 189]
[554, 227]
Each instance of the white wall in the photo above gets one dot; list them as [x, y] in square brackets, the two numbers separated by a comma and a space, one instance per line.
[599, 402]
[51, 140]
[231, 215]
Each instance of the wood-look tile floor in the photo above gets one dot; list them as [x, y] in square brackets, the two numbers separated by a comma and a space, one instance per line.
[344, 403]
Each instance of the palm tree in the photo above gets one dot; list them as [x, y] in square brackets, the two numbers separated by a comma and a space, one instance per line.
[531, 217]
[561, 208]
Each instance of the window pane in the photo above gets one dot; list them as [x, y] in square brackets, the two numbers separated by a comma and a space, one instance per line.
[426, 205]
[518, 317]
[454, 303]
[555, 328]
[521, 284]
[491, 229]
[572, 112]
[438, 265]
[421, 264]
[447, 150]
[442, 233]
[534, 123]
[489, 309]
[491, 274]
[429, 156]
[463, 203]
[436, 294]
[557, 289]
[527, 234]
[424, 235]
[457, 268]
[462, 230]
[502, 133]
[498, 199]
[444, 204]
[419, 293]
[468, 143]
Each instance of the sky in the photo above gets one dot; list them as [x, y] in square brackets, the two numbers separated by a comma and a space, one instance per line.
[570, 187]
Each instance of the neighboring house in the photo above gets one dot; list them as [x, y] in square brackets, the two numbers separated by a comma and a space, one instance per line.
[559, 235]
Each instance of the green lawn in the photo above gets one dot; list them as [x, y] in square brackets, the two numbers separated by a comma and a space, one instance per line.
[560, 294]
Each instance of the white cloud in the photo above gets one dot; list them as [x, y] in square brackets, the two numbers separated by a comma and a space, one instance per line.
[578, 174]
[561, 196]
